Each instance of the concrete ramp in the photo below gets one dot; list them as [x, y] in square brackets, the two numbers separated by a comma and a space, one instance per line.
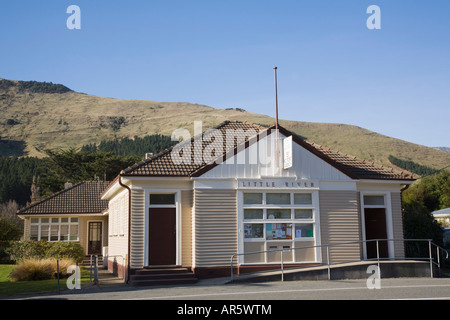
[356, 270]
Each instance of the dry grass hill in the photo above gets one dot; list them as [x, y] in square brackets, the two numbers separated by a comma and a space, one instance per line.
[36, 116]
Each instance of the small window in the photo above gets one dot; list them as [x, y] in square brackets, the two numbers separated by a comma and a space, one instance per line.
[254, 231]
[302, 198]
[162, 199]
[278, 231]
[54, 232]
[374, 200]
[34, 220]
[44, 233]
[303, 214]
[55, 220]
[73, 232]
[253, 214]
[253, 198]
[64, 232]
[278, 213]
[278, 198]
[34, 231]
[304, 231]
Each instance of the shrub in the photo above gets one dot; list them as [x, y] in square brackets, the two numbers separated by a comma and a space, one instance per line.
[35, 269]
[62, 250]
[31, 269]
[31, 249]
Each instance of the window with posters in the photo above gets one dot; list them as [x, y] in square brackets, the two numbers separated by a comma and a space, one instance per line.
[278, 220]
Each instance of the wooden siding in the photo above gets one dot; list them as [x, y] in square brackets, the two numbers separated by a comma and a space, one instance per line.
[340, 222]
[215, 227]
[257, 161]
[397, 220]
[137, 228]
[118, 214]
[186, 227]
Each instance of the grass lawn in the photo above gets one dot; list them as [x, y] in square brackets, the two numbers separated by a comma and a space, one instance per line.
[8, 287]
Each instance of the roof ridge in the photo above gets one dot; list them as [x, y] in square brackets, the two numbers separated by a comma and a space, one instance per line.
[143, 162]
[61, 192]
[33, 204]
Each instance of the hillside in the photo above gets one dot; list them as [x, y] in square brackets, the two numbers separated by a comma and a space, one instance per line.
[36, 117]
[445, 149]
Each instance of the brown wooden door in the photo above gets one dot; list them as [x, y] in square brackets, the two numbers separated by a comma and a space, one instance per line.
[162, 236]
[95, 238]
[375, 224]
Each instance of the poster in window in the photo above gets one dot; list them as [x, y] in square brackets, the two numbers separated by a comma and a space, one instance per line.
[278, 231]
[248, 230]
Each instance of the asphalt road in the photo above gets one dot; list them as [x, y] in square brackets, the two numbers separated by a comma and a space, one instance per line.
[395, 289]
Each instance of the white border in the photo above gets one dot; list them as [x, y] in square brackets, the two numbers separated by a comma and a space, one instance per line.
[177, 206]
[315, 221]
[389, 223]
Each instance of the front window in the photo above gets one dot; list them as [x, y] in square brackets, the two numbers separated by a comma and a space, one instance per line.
[162, 199]
[279, 220]
[54, 229]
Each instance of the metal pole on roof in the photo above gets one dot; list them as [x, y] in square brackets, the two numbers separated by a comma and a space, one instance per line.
[276, 99]
[277, 150]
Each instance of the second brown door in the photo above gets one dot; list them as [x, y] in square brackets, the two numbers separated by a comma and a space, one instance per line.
[375, 226]
[162, 236]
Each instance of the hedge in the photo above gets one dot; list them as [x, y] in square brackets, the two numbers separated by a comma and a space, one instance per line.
[31, 249]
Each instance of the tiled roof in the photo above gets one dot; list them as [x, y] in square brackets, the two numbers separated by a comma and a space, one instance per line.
[163, 165]
[83, 197]
[361, 169]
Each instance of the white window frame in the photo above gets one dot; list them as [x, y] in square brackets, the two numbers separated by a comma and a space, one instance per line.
[177, 206]
[315, 221]
[389, 224]
[48, 225]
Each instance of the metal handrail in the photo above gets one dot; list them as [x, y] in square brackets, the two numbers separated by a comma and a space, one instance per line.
[327, 246]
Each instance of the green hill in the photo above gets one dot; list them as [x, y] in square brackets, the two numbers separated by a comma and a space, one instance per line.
[37, 116]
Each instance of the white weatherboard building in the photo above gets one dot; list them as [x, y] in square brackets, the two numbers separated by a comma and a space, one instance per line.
[236, 190]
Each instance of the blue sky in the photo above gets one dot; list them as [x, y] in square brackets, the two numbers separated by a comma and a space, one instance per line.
[221, 53]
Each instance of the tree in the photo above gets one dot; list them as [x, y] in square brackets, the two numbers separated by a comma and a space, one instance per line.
[419, 223]
[429, 194]
[11, 226]
[73, 166]
[433, 192]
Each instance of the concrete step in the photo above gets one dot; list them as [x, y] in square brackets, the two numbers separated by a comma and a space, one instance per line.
[162, 276]
[163, 282]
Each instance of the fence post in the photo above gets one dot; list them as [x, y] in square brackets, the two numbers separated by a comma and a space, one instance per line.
[90, 269]
[282, 271]
[95, 270]
[57, 274]
[378, 259]
[438, 258]
[328, 262]
[231, 265]
[431, 259]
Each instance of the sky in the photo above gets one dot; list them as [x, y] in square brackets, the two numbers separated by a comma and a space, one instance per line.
[331, 66]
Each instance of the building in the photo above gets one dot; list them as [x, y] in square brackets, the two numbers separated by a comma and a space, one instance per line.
[73, 214]
[442, 216]
[245, 189]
